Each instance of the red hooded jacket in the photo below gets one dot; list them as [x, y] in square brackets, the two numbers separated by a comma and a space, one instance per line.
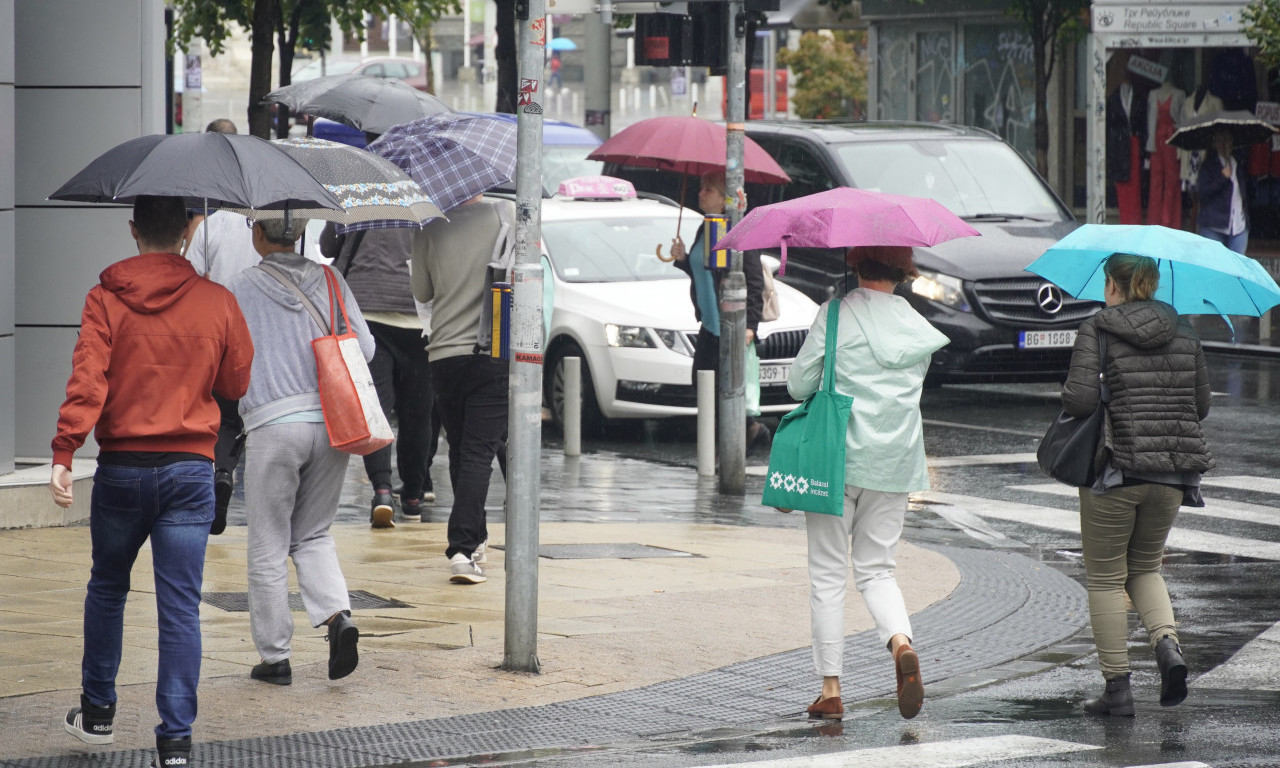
[156, 340]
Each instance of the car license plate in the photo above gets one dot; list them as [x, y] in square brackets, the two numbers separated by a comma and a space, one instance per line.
[1045, 339]
[774, 375]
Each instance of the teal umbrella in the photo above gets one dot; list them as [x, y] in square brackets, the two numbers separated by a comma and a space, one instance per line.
[1198, 276]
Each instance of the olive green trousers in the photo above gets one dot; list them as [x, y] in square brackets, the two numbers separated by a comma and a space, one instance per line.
[1123, 532]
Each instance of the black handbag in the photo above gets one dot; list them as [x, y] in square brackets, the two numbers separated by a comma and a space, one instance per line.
[1074, 449]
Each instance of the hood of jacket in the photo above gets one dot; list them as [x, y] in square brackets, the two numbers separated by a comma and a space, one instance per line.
[306, 274]
[150, 282]
[1142, 324]
[898, 336]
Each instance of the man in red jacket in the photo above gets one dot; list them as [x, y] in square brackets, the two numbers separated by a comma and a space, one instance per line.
[156, 342]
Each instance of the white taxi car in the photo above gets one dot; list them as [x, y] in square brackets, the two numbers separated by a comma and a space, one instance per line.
[627, 314]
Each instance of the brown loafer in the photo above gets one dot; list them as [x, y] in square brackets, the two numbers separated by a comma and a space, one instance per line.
[910, 688]
[826, 709]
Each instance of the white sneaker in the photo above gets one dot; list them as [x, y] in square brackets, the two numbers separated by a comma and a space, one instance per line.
[463, 570]
[481, 555]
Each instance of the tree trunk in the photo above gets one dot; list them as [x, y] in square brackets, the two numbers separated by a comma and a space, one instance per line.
[505, 53]
[287, 43]
[262, 45]
[1040, 62]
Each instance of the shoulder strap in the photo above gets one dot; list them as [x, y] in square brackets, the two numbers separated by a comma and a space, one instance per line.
[829, 359]
[310, 306]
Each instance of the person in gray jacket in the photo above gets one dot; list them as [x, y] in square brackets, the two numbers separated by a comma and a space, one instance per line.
[1155, 369]
[293, 477]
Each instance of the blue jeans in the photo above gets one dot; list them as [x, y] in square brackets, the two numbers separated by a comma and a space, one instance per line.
[173, 505]
[1238, 242]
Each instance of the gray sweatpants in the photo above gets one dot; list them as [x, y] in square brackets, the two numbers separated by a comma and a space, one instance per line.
[292, 482]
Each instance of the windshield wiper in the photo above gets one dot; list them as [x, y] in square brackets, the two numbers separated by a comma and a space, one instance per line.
[1000, 217]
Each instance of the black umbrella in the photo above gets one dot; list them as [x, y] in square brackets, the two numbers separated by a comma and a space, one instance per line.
[210, 170]
[1246, 128]
[371, 104]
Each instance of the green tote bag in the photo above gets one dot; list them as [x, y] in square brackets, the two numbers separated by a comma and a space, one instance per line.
[806, 464]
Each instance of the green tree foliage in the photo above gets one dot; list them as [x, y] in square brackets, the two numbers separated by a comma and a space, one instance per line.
[283, 26]
[831, 74]
[1262, 20]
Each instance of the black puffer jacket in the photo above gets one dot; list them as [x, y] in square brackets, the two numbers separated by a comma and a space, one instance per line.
[1159, 387]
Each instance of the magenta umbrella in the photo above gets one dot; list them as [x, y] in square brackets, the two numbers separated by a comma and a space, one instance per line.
[844, 217]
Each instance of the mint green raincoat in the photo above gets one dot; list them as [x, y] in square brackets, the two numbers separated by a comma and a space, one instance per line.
[883, 351]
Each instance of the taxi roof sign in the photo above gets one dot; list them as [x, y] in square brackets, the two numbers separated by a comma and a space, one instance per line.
[597, 188]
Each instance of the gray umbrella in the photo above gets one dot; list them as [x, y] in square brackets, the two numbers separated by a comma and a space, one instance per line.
[210, 170]
[1246, 128]
[371, 104]
[370, 187]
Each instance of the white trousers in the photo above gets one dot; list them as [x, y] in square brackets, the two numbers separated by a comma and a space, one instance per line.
[873, 520]
[292, 483]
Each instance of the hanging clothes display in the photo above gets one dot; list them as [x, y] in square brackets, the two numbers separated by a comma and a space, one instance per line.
[1164, 204]
[1126, 135]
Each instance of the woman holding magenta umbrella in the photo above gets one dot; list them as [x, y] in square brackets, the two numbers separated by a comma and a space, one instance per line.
[881, 350]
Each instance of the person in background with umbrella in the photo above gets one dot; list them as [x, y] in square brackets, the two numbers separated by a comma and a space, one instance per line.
[704, 292]
[1155, 369]
[156, 343]
[453, 268]
[883, 350]
[293, 476]
[1224, 212]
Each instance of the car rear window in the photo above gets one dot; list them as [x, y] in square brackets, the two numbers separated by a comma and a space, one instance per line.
[610, 250]
[971, 178]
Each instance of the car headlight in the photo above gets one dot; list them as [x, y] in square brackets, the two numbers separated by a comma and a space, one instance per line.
[627, 336]
[941, 288]
[675, 341]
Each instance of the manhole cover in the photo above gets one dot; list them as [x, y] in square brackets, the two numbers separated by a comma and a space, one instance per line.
[239, 601]
[605, 551]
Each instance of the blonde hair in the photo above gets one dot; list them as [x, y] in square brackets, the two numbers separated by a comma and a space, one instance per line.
[1136, 277]
[715, 179]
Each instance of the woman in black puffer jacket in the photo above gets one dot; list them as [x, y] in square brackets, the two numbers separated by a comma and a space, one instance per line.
[1159, 385]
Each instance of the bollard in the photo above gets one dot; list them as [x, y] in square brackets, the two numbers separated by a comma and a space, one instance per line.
[572, 406]
[622, 100]
[653, 96]
[706, 423]
[636, 93]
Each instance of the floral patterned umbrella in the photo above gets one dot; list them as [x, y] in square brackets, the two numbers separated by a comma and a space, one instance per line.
[370, 187]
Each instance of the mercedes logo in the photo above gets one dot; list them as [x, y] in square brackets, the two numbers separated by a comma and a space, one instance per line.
[1049, 297]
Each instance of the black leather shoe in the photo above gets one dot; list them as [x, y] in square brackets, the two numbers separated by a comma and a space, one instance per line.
[277, 674]
[1173, 672]
[382, 510]
[221, 500]
[1116, 700]
[343, 657]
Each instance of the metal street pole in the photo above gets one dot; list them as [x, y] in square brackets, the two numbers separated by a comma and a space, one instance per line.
[524, 425]
[598, 96]
[733, 291]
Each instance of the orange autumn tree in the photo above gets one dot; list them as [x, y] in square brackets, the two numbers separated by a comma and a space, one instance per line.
[830, 73]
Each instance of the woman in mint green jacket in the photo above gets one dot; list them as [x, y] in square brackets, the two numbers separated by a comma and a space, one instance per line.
[882, 353]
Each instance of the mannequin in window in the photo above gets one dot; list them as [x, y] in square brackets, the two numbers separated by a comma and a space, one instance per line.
[1201, 102]
[1164, 104]
[1126, 135]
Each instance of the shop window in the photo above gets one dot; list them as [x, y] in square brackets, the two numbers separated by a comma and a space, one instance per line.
[892, 74]
[935, 76]
[999, 84]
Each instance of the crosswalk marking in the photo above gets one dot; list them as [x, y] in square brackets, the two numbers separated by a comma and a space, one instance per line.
[1221, 509]
[1250, 668]
[1064, 520]
[982, 458]
[1243, 482]
[1184, 764]
[942, 754]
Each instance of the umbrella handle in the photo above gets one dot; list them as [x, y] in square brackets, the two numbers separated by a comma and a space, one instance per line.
[684, 179]
[657, 251]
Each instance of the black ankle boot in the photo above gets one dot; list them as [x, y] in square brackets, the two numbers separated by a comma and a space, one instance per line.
[1116, 700]
[1173, 672]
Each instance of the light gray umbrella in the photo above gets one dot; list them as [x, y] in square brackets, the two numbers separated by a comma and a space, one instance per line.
[1246, 128]
[370, 104]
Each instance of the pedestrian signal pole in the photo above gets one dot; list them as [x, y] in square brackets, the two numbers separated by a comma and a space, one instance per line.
[524, 425]
[732, 441]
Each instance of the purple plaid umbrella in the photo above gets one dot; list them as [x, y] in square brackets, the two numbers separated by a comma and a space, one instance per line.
[844, 217]
[452, 156]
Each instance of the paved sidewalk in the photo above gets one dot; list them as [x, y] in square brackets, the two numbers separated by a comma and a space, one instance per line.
[610, 626]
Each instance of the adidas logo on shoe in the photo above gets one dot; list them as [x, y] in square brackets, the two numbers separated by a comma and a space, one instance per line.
[90, 724]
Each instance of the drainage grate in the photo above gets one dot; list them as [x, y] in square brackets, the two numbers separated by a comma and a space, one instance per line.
[605, 551]
[239, 601]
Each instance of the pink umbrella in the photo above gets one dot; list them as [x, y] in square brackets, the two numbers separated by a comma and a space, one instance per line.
[844, 217]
